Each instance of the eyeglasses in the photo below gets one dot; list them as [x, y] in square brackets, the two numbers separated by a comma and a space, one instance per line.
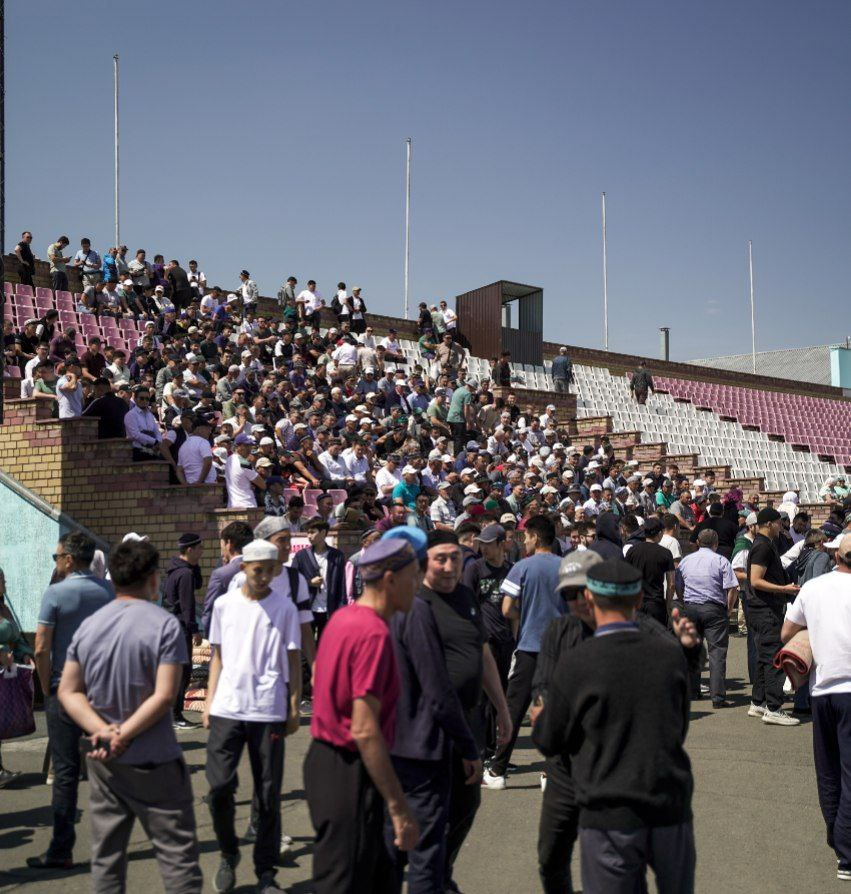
[59, 556]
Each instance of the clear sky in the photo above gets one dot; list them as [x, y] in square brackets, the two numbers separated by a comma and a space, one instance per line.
[269, 134]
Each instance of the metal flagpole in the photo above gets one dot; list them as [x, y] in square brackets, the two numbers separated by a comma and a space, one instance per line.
[409, 149]
[115, 119]
[753, 312]
[605, 283]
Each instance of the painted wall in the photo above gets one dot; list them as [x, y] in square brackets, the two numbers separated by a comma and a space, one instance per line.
[840, 367]
[28, 538]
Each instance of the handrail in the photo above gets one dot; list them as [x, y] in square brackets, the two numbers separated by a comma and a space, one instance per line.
[46, 509]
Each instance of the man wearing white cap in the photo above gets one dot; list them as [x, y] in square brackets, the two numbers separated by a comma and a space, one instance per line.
[823, 609]
[443, 512]
[253, 699]
[408, 488]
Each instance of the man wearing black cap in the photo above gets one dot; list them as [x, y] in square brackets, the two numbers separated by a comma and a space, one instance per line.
[617, 707]
[768, 592]
[182, 579]
[484, 576]
[656, 565]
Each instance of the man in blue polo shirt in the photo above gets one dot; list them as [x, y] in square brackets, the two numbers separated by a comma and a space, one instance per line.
[65, 605]
[530, 596]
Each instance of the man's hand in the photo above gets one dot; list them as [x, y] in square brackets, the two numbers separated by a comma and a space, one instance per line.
[292, 725]
[205, 717]
[107, 743]
[535, 710]
[406, 832]
[503, 728]
[684, 630]
[7, 660]
[791, 588]
[316, 581]
[472, 772]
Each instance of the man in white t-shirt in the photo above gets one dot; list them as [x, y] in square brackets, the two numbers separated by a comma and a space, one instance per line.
[388, 476]
[310, 301]
[240, 476]
[253, 697]
[195, 456]
[823, 608]
[450, 318]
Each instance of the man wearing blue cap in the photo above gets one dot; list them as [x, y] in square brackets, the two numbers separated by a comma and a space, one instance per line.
[348, 775]
[430, 723]
[617, 707]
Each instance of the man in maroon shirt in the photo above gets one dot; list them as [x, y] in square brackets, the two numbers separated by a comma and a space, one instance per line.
[348, 775]
[92, 360]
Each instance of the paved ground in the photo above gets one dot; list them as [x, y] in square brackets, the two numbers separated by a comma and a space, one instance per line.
[757, 820]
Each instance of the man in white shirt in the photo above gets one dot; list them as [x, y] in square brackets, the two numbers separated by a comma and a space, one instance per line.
[69, 392]
[309, 302]
[367, 339]
[450, 318]
[388, 476]
[334, 464]
[346, 359]
[240, 476]
[253, 697]
[358, 464]
[197, 278]
[195, 456]
[823, 608]
[250, 292]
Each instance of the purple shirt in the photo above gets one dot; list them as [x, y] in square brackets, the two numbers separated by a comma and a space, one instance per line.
[705, 576]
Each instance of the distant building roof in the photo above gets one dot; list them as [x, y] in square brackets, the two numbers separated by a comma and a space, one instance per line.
[798, 364]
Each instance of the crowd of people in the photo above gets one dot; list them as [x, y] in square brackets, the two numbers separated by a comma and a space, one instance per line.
[502, 571]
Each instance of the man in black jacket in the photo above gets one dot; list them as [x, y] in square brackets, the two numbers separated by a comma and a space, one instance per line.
[617, 706]
[182, 579]
[559, 810]
[430, 724]
[182, 292]
[324, 569]
[726, 529]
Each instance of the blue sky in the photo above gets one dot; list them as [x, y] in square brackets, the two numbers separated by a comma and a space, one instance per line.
[270, 135]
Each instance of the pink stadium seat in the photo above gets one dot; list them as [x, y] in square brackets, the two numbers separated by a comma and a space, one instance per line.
[60, 293]
[311, 495]
[338, 495]
[44, 304]
[64, 303]
[12, 372]
[42, 292]
[21, 289]
[68, 317]
[290, 492]
[8, 288]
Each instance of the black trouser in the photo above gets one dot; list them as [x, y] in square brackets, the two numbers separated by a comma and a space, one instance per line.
[502, 652]
[464, 803]
[177, 710]
[426, 785]
[459, 435]
[832, 755]
[65, 754]
[656, 608]
[712, 621]
[347, 813]
[265, 743]
[59, 281]
[25, 274]
[557, 831]
[518, 696]
[768, 680]
[319, 622]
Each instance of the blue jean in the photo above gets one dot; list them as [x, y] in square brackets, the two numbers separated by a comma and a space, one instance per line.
[65, 754]
[832, 758]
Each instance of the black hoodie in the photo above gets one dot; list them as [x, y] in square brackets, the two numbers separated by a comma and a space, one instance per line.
[608, 541]
[181, 582]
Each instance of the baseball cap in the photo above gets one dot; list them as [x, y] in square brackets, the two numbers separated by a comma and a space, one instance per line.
[244, 439]
[472, 489]
[491, 534]
[508, 518]
[573, 569]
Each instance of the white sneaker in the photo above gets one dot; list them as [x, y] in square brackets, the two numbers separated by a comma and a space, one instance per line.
[543, 782]
[844, 875]
[757, 710]
[497, 783]
[286, 845]
[779, 718]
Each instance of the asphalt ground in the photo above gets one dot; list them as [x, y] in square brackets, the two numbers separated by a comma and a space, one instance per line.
[757, 822]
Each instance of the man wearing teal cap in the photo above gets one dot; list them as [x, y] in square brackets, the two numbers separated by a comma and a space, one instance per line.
[617, 707]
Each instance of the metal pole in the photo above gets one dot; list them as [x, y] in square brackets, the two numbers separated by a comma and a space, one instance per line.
[605, 283]
[2, 184]
[753, 311]
[408, 152]
[115, 119]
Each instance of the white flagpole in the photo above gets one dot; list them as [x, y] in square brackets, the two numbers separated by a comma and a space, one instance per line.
[408, 152]
[753, 311]
[115, 120]
[605, 283]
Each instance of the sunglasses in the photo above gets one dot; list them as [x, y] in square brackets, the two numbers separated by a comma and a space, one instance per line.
[59, 556]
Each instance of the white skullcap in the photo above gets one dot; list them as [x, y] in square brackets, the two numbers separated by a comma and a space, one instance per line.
[260, 551]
